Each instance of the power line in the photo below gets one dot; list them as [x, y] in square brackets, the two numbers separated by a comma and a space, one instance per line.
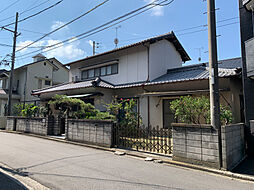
[25, 11]
[77, 18]
[93, 31]
[7, 45]
[33, 14]
[60, 44]
[9, 6]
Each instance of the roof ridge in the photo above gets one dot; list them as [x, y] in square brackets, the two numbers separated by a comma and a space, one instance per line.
[168, 35]
[186, 68]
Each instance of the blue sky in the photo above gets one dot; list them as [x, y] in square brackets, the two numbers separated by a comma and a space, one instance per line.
[177, 17]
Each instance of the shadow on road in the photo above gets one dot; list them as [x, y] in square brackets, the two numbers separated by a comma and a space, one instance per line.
[55, 160]
[106, 180]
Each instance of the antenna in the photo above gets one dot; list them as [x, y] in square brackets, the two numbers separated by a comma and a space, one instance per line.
[116, 40]
[199, 51]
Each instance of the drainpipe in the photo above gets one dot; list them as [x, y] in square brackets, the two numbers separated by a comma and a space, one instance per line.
[148, 78]
[25, 90]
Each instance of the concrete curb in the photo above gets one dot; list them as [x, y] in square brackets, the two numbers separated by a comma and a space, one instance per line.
[144, 155]
[21, 180]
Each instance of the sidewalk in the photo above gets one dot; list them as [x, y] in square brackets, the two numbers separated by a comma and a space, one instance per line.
[7, 182]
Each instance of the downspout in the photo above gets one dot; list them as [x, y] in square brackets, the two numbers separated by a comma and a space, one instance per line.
[148, 78]
[25, 89]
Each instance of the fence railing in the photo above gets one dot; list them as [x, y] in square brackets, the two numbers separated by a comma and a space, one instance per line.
[156, 140]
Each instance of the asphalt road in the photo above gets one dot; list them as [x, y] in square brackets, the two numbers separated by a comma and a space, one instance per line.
[64, 166]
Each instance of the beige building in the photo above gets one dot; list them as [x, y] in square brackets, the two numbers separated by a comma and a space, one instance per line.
[41, 73]
[150, 71]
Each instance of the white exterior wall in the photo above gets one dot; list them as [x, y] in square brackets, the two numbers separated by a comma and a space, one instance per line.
[132, 67]
[35, 71]
[163, 56]
[61, 75]
[156, 112]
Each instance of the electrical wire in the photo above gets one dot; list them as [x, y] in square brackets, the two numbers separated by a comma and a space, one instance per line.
[33, 14]
[25, 11]
[64, 25]
[9, 6]
[93, 31]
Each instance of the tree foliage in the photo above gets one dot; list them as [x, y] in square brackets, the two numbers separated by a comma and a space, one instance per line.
[76, 108]
[196, 110]
[26, 110]
[124, 112]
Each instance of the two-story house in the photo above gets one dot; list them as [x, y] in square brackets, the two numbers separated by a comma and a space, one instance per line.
[41, 73]
[150, 71]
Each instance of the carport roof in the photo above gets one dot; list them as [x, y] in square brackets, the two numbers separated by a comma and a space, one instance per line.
[182, 74]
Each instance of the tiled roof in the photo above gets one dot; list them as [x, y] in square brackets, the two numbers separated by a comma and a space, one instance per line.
[195, 72]
[229, 63]
[188, 73]
[168, 36]
[72, 86]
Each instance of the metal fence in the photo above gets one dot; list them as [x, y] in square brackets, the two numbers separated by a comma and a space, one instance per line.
[145, 139]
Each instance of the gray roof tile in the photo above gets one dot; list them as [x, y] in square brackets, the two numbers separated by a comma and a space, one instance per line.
[187, 73]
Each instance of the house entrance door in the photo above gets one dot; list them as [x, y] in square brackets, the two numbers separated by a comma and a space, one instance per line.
[168, 116]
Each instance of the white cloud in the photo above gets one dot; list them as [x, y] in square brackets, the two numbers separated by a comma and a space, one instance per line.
[27, 42]
[57, 24]
[157, 10]
[65, 51]
[68, 51]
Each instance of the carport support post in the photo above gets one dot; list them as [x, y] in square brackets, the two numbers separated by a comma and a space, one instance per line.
[213, 70]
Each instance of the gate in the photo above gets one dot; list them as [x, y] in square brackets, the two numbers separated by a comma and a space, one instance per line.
[145, 139]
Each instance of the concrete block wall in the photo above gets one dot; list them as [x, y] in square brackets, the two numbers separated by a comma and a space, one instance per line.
[32, 125]
[11, 123]
[198, 144]
[3, 122]
[233, 145]
[90, 131]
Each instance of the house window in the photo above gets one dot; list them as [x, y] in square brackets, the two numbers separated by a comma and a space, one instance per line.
[91, 73]
[1, 83]
[84, 75]
[103, 71]
[97, 72]
[100, 71]
[109, 70]
[47, 82]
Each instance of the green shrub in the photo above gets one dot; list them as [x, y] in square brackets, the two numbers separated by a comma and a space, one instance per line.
[196, 110]
[76, 108]
[124, 112]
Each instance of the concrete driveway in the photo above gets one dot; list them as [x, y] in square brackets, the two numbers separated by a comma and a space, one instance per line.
[64, 166]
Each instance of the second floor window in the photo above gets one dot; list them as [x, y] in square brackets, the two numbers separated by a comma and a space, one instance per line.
[101, 71]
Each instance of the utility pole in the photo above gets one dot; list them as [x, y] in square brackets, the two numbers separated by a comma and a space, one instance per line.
[12, 66]
[213, 70]
[94, 47]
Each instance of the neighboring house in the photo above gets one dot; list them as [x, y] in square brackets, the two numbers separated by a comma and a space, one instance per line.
[150, 71]
[41, 73]
[246, 10]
